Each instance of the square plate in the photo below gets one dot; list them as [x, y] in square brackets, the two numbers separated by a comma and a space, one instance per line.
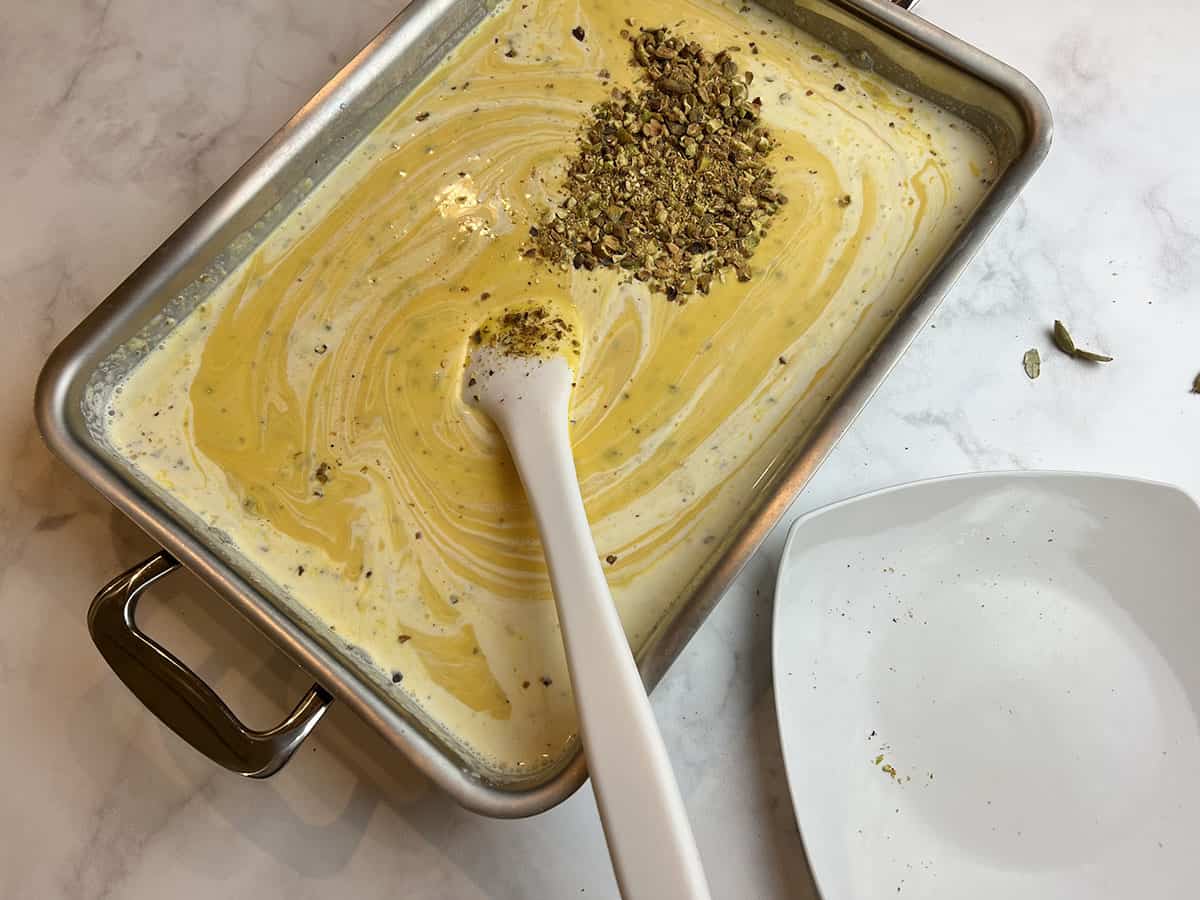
[987, 686]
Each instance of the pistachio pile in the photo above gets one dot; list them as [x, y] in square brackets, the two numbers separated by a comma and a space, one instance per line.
[670, 182]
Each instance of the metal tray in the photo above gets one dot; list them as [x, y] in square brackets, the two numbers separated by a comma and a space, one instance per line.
[81, 373]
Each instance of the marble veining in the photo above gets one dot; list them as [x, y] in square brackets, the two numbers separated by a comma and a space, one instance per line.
[117, 118]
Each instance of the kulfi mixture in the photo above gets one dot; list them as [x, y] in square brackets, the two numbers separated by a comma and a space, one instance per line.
[311, 410]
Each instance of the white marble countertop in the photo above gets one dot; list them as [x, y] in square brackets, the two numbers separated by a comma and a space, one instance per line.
[118, 117]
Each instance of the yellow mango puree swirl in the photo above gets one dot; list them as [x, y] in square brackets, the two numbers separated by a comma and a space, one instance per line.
[311, 410]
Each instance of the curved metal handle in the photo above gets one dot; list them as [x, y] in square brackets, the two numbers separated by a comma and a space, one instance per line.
[177, 695]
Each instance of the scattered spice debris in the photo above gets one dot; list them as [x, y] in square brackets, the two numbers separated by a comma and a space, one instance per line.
[1065, 343]
[322, 473]
[670, 181]
[1196, 384]
[403, 638]
[422, 116]
[611, 558]
[546, 680]
[578, 33]
[1032, 361]
[397, 677]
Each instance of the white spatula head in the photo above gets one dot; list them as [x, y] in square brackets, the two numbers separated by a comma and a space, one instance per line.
[522, 363]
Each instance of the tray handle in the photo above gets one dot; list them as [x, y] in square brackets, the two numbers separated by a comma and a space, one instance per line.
[177, 695]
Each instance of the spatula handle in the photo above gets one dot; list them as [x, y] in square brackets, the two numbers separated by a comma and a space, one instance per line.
[645, 823]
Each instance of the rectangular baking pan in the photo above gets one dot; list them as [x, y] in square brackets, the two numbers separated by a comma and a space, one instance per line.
[79, 377]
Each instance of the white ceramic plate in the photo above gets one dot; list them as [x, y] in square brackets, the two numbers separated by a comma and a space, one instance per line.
[1023, 652]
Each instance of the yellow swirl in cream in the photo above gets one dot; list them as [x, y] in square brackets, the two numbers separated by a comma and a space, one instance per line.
[311, 407]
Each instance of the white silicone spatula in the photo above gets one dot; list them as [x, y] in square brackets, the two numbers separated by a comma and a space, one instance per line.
[649, 839]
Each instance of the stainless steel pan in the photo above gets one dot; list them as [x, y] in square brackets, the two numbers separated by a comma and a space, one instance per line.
[79, 377]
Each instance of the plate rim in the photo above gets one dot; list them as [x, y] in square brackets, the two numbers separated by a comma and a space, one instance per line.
[805, 518]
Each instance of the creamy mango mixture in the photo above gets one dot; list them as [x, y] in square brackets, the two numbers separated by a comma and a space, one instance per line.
[311, 408]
